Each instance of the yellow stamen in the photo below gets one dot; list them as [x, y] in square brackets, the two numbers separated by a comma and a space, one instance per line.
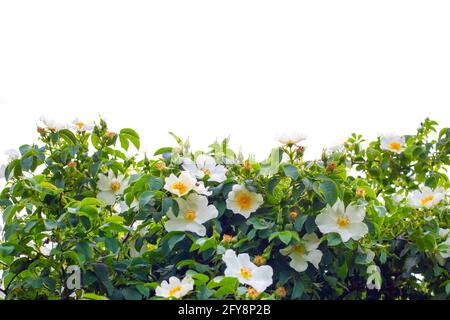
[244, 201]
[174, 290]
[246, 273]
[395, 146]
[342, 221]
[299, 249]
[427, 199]
[190, 215]
[181, 187]
[115, 186]
[206, 171]
[79, 125]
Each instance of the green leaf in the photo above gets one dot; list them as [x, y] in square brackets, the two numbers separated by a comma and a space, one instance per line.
[298, 289]
[93, 296]
[330, 191]
[291, 171]
[68, 136]
[333, 239]
[128, 134]
[174, 238]
[145, 198]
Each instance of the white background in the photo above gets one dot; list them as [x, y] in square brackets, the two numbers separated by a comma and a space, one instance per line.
[212, 68]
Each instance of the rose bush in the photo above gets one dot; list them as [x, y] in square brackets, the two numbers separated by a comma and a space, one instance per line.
[369, 220]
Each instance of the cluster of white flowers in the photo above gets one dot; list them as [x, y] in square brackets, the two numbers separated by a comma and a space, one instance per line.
[56, 125]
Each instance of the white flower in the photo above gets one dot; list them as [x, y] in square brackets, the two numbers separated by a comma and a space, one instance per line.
[193, 212]
[291, 138]
[247, 272]
[201, 189]
[134, 205]
[446, 252]
[110, 187]
[52, 124]
[12, 154]
[241, 201]
[175, 288]
[397, 198]
[205, 166]
[348, 223]
[133, 252]
[443, 233]
[181, 185]
[425, 197]
[374, 279]
[2, 171]
[79, 125]
[392, 142]
[335, 148]
[304, 252]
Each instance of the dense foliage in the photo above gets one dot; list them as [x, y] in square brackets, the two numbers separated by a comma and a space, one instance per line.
[369, 220]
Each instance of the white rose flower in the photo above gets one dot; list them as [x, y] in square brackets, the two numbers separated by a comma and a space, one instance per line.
[52, 124]
[241, 201]
[304, 252]
[393, 143]
[425, 197]
[81, 126]
[247, 272]
[2, 171]
[182, 185]
[374, 279]
[201, 189]
[12, 154]
[175, 288]
[193, 212]
[348, 223]
[292, 138]
[111, 187]
[205, 166]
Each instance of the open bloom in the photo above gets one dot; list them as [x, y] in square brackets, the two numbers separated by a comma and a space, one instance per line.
[392, 142]
[247, 272]
[193, 212]
[348, 223]
[241, 201]
[374, 279]
[79, 125]
[181, 185]
[304, 252]
[201, 189]
[110, 187]
[425, 197]
[12, 154]
[175, 288]
[291, 138]
[205, 166]
[52, 124]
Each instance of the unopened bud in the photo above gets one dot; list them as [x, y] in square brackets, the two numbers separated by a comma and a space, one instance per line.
[110, 134]
[260, 260]
[227, 238]
[40, 130]
[247, 165]
[72, 164]
[293, 215]
[160, 165]
[281, 292]
[331, 166]
[360, 192]
[252, 293]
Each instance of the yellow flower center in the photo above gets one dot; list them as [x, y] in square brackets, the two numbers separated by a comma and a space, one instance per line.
[206, 171]
[395, 146]
[174, 290]
[190, 215]
[299, 249]
[80, 125]
[427, 199]
[342, 221]
[115, 186]
[244, 201]
[180, 186]
[246, 273]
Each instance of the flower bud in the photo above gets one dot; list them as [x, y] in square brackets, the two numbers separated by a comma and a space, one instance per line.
[252, 293]
[247, 165]
[227, 238]
[281, 292]
[72, 164]
[331, 166]
[110, 134]
[293, 215]
[360, 192]
[259, 260]
[40, 130]
[160, 165]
